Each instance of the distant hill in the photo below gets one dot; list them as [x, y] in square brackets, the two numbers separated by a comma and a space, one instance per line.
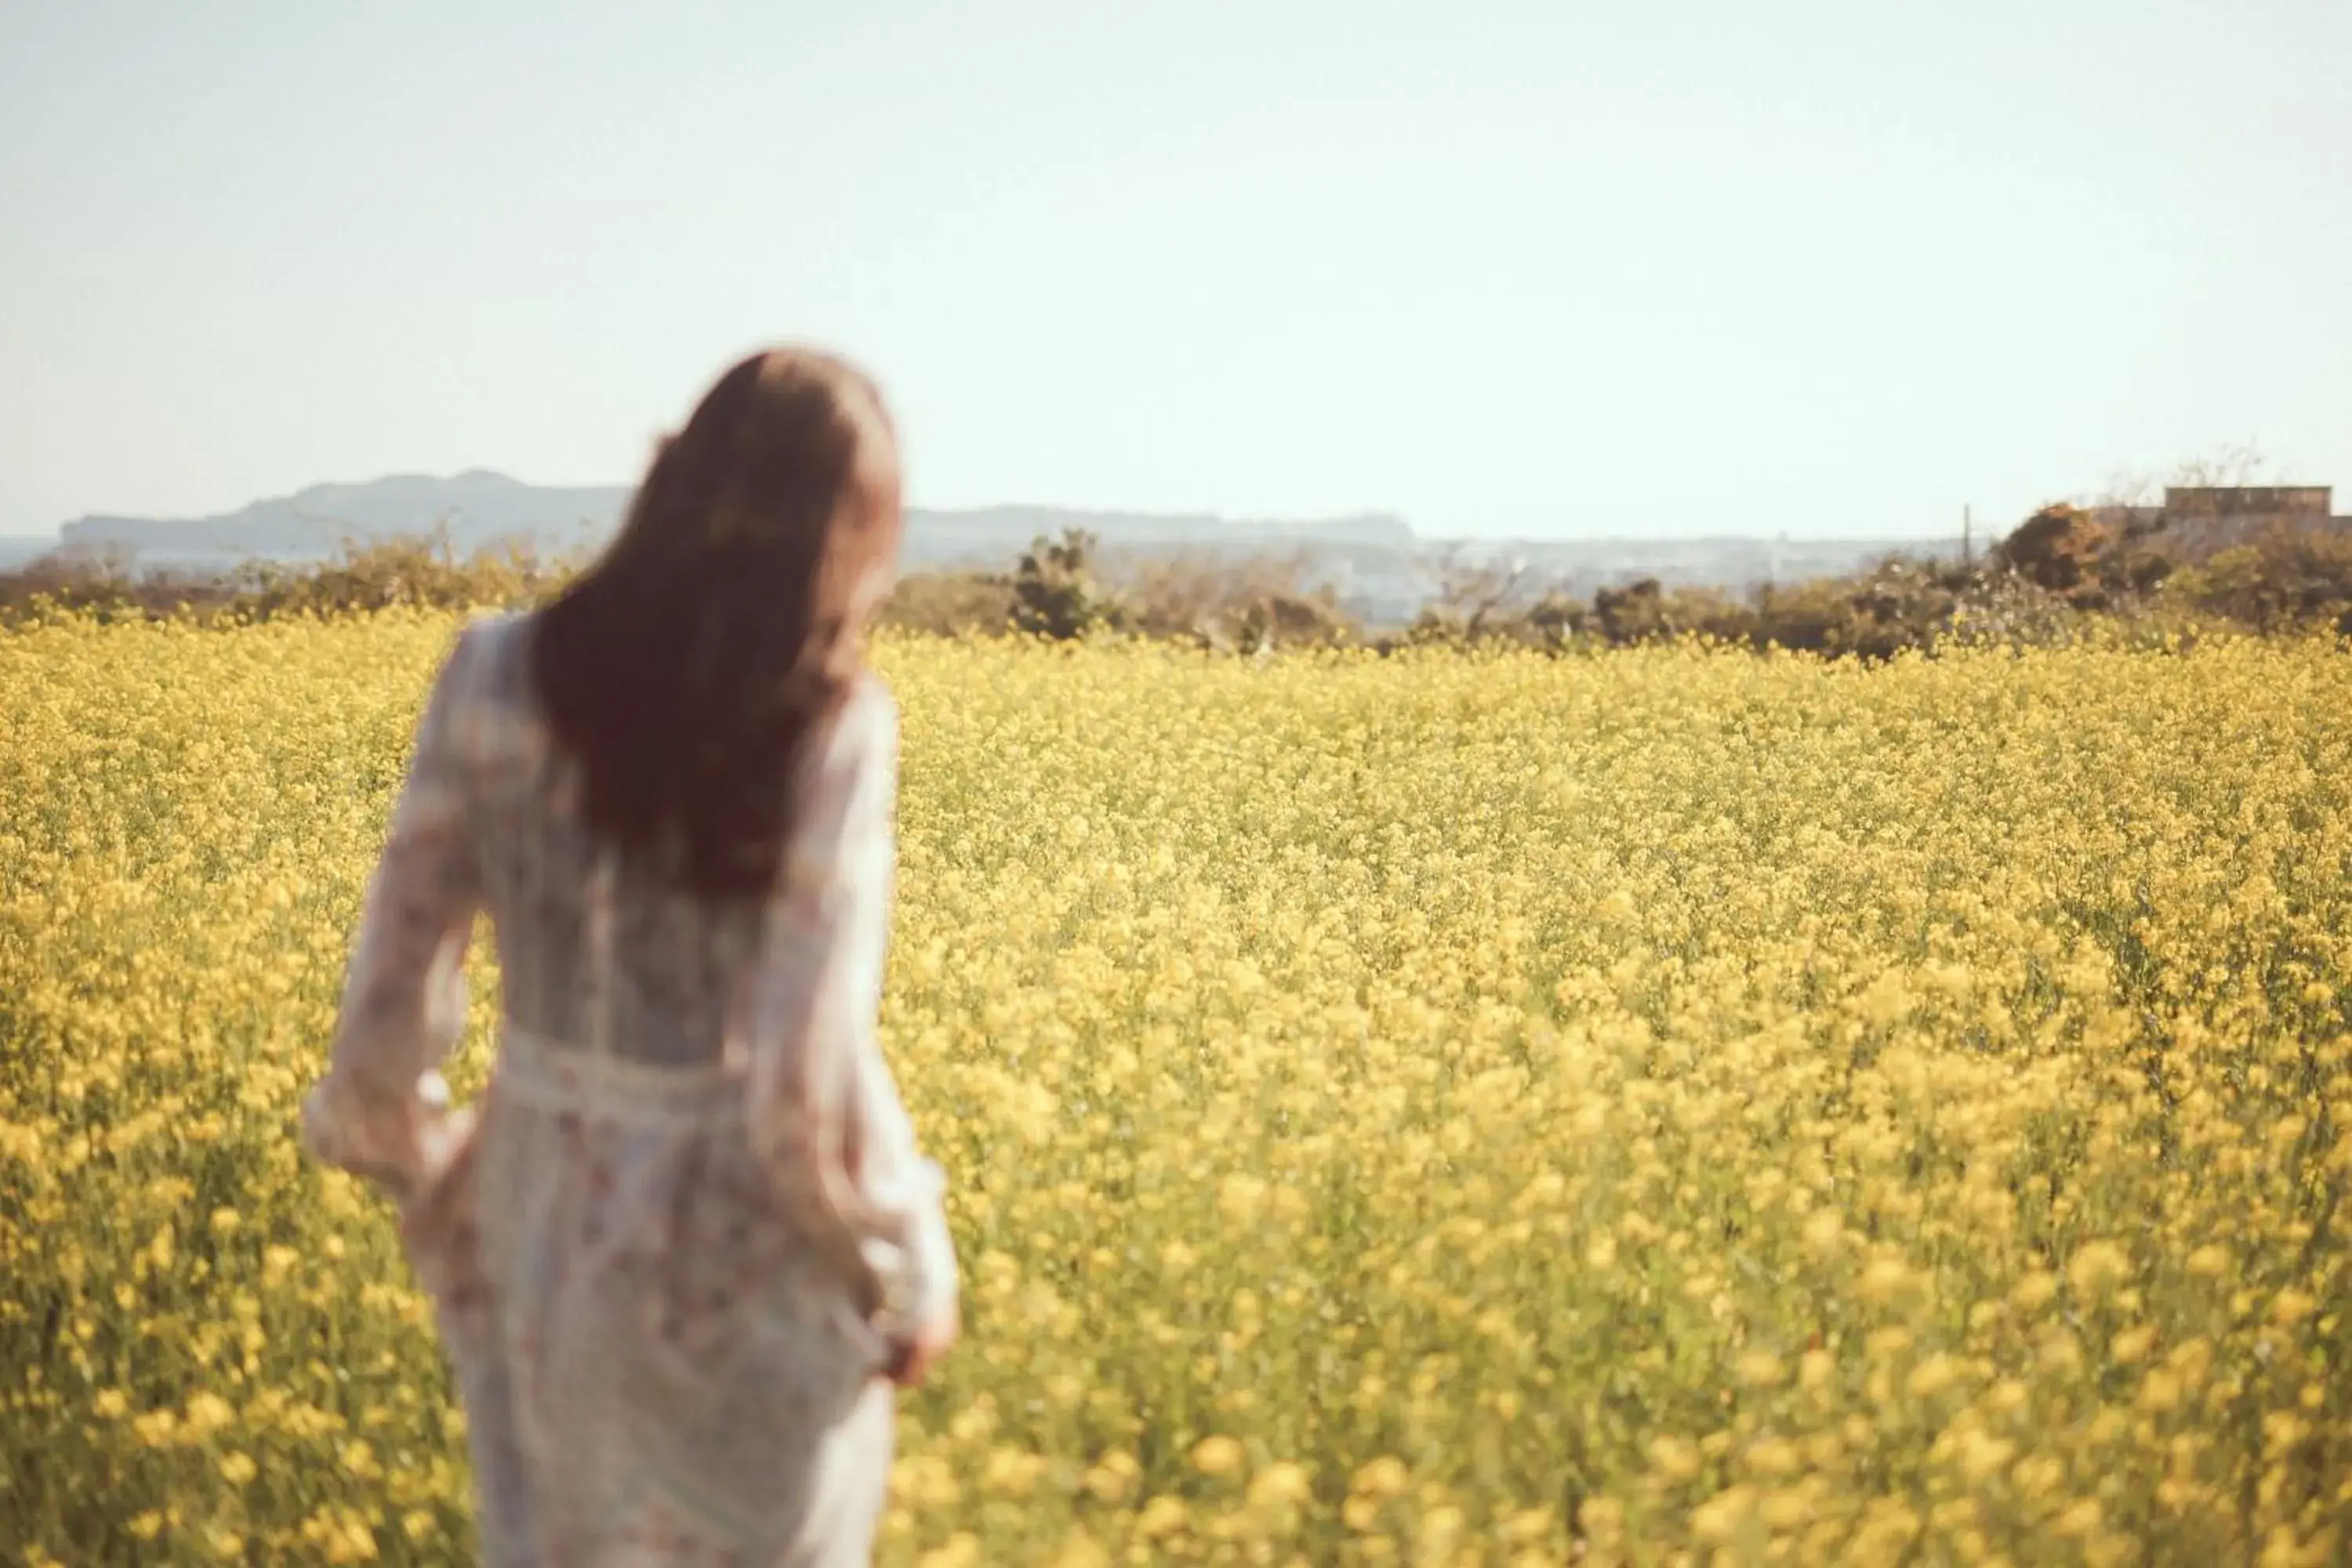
[18, 550]
[1381, 569]
[481, 509]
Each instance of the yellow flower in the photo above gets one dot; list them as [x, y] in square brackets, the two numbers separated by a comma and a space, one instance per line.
[1932, 1376]
[1240, 1196]
[208, 1413]
[1982, 1456]
[1217, 1456]
[961, 1550]
[2096, 1266]
[1676, 1457]
[1280, 1484]
[1162, 1516]
[1884, 1278]
[1113, 1476]
[2080, 1518]
[1718, 1520]
[1079, 1549]
[2034, 1290]
[1012, 1472]
[1395, 1062]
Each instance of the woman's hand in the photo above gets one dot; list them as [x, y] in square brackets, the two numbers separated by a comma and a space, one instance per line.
[435, 1200]
[914, 1355]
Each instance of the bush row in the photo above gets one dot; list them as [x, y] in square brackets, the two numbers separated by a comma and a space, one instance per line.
[2060, 577]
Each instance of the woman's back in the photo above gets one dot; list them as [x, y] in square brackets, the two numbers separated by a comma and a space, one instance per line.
[678, 960]
[684, 1242]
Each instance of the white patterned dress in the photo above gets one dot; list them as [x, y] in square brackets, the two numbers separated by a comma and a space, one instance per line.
[667, 1290]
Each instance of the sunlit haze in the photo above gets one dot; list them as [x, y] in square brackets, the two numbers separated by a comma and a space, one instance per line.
[1828, 268]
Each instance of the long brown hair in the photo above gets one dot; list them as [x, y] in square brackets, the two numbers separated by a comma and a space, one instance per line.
[687, 667]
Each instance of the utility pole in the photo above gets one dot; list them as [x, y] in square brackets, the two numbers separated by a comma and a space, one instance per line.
[1968, 532]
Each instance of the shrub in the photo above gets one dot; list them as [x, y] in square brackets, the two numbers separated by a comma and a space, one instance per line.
[2059, 548]
[950, 603]
[1055, 593]
[2286, 579]
[1252, 605]
[2063, 575]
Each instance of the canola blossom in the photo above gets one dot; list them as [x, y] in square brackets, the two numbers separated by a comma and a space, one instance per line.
[1671, 1106]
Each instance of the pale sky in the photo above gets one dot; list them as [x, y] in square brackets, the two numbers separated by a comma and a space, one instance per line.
[1821, 266]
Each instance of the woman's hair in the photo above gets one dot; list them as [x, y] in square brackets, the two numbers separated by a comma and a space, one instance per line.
[687, 667]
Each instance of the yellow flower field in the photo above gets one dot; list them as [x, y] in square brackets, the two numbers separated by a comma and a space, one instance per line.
[1668, 1107]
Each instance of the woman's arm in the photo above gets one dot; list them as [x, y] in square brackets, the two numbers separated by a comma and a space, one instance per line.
[823, 1096]
[893, 1176]
[378, 1111]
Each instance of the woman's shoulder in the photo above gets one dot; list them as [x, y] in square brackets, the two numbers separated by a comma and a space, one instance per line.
[488, 673]
[853, 743]
[493, 651]
[865, 727]
[871, 700]
[492, 635]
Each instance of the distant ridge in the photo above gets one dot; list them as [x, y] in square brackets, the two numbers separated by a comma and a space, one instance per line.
[482, 509]
[479, 507]
[1380, 569]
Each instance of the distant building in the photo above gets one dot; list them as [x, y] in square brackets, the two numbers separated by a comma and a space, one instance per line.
[2262, 500]
[2200, 519]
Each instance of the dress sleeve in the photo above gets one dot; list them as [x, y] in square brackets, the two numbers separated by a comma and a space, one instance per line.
[822, 1094]
[379, 1110]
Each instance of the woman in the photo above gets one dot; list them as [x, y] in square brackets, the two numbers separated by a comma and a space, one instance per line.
[688, 1245]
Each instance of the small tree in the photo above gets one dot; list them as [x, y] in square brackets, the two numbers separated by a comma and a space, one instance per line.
[2059, 548]
[1636, 612]
[1055, 593]
[1474, 592]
